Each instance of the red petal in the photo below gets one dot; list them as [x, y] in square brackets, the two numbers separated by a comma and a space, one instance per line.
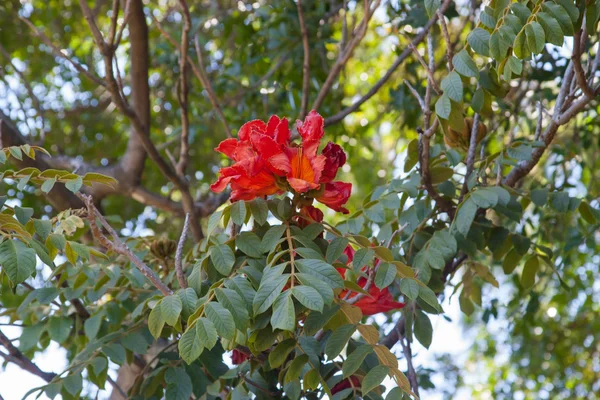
[244, 132]
[336, 195]
[228, 147]
[312, 127]
[282, 132]
[302, 186]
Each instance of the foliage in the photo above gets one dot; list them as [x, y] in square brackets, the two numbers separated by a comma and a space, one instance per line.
[491, 197]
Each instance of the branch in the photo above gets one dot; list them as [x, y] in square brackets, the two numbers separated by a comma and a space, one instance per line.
[17, 357]
[356, 38]
[306, 64]
[579, 39]
[446, 35]
[412, 375]
[179, 254]
[470, 156]
[117, 245]
[403, 56]
[181, 166]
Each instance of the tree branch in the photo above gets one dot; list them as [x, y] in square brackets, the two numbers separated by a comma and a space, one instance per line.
[181, 166]
[179, 254]
[470, 156]
[17, 357]
[306, 64]
[117, 245]
[403, 56]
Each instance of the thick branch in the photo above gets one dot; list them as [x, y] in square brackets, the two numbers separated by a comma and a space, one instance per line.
[179, 254]
[15, 356]
[306, 64]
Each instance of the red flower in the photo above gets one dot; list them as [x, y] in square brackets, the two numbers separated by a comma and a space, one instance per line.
[335, 158]
[267, 163]
[308, 213]
[336, 195]
[237, 357]
[345, 384]
[377, 301]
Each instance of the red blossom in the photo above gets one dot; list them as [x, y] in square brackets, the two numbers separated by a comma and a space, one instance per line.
[266, 163]
[237, 357]
[353, 381]
[377, 301]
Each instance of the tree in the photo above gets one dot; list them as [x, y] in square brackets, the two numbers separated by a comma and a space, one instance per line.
[108, 126]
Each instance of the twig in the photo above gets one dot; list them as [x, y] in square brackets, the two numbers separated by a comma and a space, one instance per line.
[578, 42]
[356, 38]
[306, 64]
[115, 385]
[17, 357]
[470, 156]
[382, 81]
[117, 245]
[412, 374]
[416, 96]
[538, 127]
[179, 254]
[426, 67]
[59, 53]
[183, 93]
[446, 38]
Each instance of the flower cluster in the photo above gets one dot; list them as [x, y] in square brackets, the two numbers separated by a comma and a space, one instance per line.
[267, 162]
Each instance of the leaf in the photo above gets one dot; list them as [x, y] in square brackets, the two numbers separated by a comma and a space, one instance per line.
[259, 209]
[536, 39]
[249, 244]
[231, 300]
[479, 40]
[338, 340]
[464, 65]
[369, 333]
[238, 212]
[511, 261]
[429, 297]
[17, 260]
[223, 258]
[386, 273]
[431, 7]
[284, 313]
[321, 270]
[464, 217]
[189, 346]
[281, 352]
[484, 198]
[423, 329]
[91, 326]
[374, 378]
[74, 184]
[443, 107]
[453, 86]
[189, 298]
[520, 46]
[308, 297]
[23, 214]
[213, 222]
[206, 332]
[362, 258]
[295, 368]
[170, 308]
[267, 293]
[73, 383]
[156, 321]
[323, 288]
[587, 212]
[552, 29]
[498, 46]
[355, 359]
[59, 329]
[410, 288]
[221, 318]
[539, 196]
[271, 238]
[179, 384]
[529, 271]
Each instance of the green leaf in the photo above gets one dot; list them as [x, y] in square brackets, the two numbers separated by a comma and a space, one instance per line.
[206, 332]
[453, 86]
[323, 288]
[222, 319]
[308, 297]
[321, 270]
[484, 198]
[156, 321]
[465, 216]
[559, 201]
[238, 212]
[267, 293]
[423, 329]
[249, 244]
[386, 273]
[284, 313]
[529, 271]
[552, 29]
[410, 288]
[223, 258]
[179, 384]
[23, 214]
[17, 260]
[355, 359]
[231, 300]
[374, 378]
[536, 39]
[521, 11]
[587, 213]
[561, 15]
[363, 257]
[498, 46]
[59, 328]
[520, 46]
[271, 238]
[213, 222]
[73, 384]
[479, 40]
[338, 340]
[336, 249]
[443, 107]
[429, 297]
[48, 185]
[511, 261]
[259, 209]
[170, 308]
[487, 19]
[189, 346]
[189, 298]
[91, 326]
[74, 184]
[295, 368]
[464, 65]
[431, 7]
[281, 352]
